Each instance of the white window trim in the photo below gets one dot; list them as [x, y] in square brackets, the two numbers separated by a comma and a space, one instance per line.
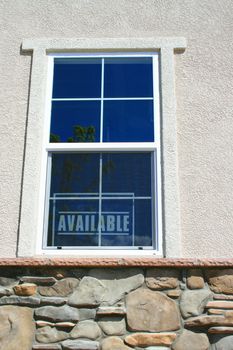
[32, 206]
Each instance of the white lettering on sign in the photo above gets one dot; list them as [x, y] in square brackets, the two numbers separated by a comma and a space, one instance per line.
[88, 223]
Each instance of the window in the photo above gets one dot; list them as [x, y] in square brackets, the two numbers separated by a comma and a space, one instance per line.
[105, 164]
[103, 153]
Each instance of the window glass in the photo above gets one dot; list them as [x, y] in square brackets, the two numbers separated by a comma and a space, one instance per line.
[108, 211]
[75, 121]
[77, 77]
[128, 121]
[128, 77]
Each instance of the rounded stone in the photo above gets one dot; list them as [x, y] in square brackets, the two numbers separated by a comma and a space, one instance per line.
[159, 279]
[195, 279]
[151, 311]
[25, 289]
[114, 343]
[191, 341]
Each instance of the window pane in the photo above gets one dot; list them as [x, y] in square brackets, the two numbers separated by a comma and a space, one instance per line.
[77, 77]
[119, 216]
[74, 173]
[127, 173]
[128, 77]
[128, 121]
[75, 121]
[73, 222]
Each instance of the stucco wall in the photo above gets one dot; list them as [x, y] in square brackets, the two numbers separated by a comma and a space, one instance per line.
[204, 86]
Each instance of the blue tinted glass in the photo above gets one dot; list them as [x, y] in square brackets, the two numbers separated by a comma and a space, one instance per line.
[117, 222]
[74, 173]
[143, 222]
[77, 77]
[75, 121]
[128, 121]
[128, 77]
[127, 173]
[73, 222]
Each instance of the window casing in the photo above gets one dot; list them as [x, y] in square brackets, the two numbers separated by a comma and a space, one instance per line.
[102, 147]
[37, 147]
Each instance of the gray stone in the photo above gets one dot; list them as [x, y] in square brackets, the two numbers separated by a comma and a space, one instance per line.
[191, 341]
[114, 343]
[86, 329]
[6, 281]
[157, 348]
[38, 280]
[57, 314]
[87, 314]
[6, 291]
[52, 301]
[50, 335]
[46, 347]
[16, 328]
[113, 325]
[192, 302]
[61, 288]
[118, 282]
[151, 311]
[80, 345]
[16, 300]
[90, 292]
[223, 343]
[159, 279]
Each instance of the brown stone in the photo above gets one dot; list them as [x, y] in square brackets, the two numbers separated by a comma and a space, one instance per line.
[38, 280]
[46, 347]
[208, 321]
[110, 311]
[65, 324]
[151, 311]
[220, 304]
[44, 323]
[216, 312]
[25, 289]
[220, 281]
[191, 341]
[174, 293]
[61, 288]
[16, 328]
[144, 340]
[114, 343]
[159, 279]
[222, 297]
[221, 330]
[195, 279]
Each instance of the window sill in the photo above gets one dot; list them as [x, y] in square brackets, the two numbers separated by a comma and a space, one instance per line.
[114, 262]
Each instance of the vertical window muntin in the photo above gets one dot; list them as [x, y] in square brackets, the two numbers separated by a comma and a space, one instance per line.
[101, 146]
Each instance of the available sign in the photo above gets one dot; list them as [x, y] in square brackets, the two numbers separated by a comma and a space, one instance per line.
[88, 223]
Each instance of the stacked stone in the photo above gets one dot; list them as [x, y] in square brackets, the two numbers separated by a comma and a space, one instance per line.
[117, 309]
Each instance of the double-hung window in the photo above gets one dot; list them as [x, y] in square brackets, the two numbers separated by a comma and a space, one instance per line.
[103, 153]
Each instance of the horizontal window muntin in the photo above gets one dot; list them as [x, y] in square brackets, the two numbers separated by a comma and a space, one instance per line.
[101, 144]
[110, 217]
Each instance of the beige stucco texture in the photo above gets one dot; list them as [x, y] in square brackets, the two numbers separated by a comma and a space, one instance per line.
[204, 93]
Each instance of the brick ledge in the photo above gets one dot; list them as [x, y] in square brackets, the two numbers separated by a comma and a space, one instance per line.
[115, 262]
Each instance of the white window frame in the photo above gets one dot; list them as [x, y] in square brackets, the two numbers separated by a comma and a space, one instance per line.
[37, 146]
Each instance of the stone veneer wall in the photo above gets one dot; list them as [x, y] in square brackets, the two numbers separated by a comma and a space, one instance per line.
[78, 308]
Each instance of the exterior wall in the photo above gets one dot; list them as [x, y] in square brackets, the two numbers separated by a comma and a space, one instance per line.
[116, 308]
[204, 81]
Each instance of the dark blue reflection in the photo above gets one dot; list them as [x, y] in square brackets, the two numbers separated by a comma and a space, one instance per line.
[75, 121]
[128, 121]
[77, 77]
[74, 173]
[117, 222]
[127, 173]
[128, 77]
[143, 222]
[73, 222]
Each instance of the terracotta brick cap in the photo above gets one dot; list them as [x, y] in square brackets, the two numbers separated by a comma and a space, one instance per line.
[115, 262]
